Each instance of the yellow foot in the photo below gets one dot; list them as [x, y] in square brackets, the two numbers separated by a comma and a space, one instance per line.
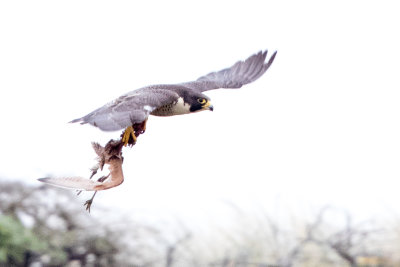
[129, 131]
[144, 125]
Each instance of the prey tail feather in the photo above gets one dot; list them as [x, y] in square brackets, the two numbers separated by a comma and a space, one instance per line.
[79, 183]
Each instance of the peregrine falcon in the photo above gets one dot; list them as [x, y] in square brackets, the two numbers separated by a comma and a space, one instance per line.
[131, 110]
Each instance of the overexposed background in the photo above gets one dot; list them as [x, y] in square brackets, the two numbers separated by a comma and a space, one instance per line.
[320, 127]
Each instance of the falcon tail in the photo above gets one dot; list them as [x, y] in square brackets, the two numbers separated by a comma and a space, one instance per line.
[81, 120]
[76, 120]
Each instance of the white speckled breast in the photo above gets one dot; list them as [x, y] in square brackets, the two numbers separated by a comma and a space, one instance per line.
[176, 108]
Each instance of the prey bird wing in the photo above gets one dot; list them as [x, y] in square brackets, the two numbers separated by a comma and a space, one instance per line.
[241, 73]
[128, 109]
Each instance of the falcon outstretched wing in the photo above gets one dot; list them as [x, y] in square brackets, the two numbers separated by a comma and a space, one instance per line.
[241, 73]
[126, 110]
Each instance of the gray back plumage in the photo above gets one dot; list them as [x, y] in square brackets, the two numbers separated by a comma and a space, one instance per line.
[128, 109]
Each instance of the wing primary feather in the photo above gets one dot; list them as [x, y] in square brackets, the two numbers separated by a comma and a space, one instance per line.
[252, 66]
[266, 66]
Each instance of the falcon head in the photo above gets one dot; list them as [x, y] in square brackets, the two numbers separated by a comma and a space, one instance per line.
[201, 103]
[197, 101]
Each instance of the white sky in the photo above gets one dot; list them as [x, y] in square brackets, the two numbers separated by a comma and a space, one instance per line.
[322, 126]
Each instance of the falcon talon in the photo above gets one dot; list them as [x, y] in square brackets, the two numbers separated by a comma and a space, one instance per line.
[132, 139]
[128, 135]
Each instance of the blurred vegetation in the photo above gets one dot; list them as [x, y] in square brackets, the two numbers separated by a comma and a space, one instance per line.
[46, 226]
[16, 240]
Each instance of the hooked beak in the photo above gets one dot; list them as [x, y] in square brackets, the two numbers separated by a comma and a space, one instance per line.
[208, 106]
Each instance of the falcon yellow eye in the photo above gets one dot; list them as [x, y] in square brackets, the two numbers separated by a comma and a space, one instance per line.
[201, 100]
